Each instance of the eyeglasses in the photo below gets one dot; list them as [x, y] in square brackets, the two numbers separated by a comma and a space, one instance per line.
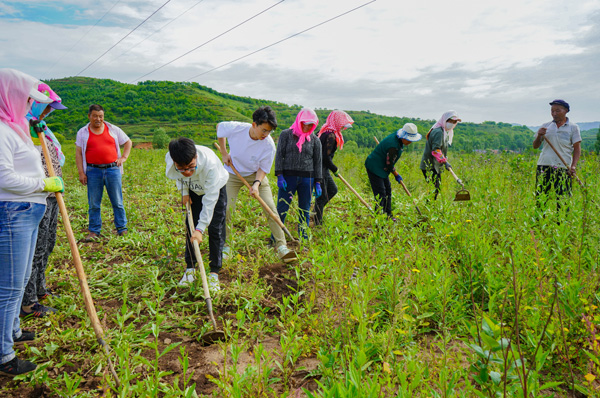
[187, 169]
[265, 131]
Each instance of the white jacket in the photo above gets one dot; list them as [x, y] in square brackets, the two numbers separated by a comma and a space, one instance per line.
[207, 181]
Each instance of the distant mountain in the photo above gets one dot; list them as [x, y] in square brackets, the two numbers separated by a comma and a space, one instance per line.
[582, 126]
[192, 110]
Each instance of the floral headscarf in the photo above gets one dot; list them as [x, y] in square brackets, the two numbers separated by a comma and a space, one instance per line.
[14, 93]
[442, 123]
[306, 115]
[35, 112]
[336, 122]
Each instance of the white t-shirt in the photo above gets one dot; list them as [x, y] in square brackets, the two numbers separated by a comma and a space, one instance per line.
[21, 171]
[563, 139]
[247, 155]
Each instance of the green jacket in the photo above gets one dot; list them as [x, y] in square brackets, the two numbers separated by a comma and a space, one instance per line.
[385, 155]
[436, 140]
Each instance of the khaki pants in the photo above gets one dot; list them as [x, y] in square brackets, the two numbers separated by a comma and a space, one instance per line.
[233, 188]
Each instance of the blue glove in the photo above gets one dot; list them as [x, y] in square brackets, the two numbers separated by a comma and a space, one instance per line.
[281, 183]
[398, 178]
[318, 190]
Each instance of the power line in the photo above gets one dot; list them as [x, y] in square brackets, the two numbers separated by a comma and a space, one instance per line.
[81, 38]
[124, 37]
[206, 42]
[280, 41]
[158, 30]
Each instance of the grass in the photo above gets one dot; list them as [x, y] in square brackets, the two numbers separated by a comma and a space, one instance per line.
[483, 299]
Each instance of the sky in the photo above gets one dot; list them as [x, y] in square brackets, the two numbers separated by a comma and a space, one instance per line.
[488, 60]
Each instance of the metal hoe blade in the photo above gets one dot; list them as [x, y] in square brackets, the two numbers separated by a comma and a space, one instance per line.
[462, 195]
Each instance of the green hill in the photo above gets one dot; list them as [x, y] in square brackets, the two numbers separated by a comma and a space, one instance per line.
[192, 110]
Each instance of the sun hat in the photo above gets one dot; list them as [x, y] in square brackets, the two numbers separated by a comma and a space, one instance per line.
[561, 103]
[39, 97]
[409, 132]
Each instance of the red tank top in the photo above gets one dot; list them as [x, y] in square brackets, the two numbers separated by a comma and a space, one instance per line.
[101, 148]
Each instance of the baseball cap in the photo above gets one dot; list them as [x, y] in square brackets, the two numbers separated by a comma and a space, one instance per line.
[561, 103]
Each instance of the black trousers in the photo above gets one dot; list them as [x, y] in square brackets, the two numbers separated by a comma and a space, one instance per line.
[216, 231]
[382, 190]
[548, 179]
[329, 191]
[435, 177]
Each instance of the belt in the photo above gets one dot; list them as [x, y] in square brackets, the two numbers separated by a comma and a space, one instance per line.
[103, 166]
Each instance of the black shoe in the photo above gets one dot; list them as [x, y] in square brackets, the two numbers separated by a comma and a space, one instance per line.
[49, 293]
[16, 367]
[26, 335]
[38, 311]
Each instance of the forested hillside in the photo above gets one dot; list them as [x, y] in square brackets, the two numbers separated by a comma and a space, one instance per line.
[189, 109]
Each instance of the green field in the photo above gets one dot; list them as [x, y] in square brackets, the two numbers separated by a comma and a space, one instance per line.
[481, 299]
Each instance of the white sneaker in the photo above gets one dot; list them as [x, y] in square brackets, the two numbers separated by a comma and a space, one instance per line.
[213, 282]
[188, 277]
[226, 251]
[286, 254]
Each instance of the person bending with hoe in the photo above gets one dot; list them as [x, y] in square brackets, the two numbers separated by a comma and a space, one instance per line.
[201, 179]
[331, 139]
[552, 174]
[251, 152]
[438, 139]
[380, 163]
[298, 167]
[36, 289]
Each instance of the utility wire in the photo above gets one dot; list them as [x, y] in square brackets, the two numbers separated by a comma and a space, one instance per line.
[280, 41]
[206, 42]
[124, 37]
[81, 38]
[158, 30]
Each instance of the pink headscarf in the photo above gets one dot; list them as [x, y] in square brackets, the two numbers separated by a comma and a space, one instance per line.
[14, 92]
[442, 123]
[306, 115]
[336, 122]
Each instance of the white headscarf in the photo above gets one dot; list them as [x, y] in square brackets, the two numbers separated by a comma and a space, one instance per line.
[442, 123]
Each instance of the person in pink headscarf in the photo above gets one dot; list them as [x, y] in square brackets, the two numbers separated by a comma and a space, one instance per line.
[298, 167]
[439, 138]
[23, 191]
[331, 138]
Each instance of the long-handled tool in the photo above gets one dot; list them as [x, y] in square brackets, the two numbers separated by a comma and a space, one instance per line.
[563, 160]
[405, 188]
[215, 334]
[462, 194]
[274, 216]
[354, 191]
[83, 285]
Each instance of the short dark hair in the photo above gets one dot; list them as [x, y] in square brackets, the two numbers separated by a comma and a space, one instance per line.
[265, 114]
[182, 150]
[95, 107]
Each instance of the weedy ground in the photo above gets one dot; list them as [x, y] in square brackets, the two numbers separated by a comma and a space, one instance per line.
[482, 298]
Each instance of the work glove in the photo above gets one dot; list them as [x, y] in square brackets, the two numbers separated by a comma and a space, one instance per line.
[447, 165]
[337, 173]
[281, 182]
[439, 156]
[398, 178]
[54, 184]
[318, 190]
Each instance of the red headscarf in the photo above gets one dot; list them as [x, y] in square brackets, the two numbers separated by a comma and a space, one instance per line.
[306, 115]
[336, 122]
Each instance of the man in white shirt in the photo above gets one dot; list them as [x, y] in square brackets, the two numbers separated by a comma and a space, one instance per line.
[201, 180]
[552, 174]
[251, 152]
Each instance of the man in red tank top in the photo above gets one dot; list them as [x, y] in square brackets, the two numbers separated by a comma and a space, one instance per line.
[100, 164]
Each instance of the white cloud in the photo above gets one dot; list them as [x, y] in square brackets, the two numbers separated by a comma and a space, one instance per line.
[493, 60]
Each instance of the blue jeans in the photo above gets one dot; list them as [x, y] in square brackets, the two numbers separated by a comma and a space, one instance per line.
[18, 234]
[304, 186]
[97, 179]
